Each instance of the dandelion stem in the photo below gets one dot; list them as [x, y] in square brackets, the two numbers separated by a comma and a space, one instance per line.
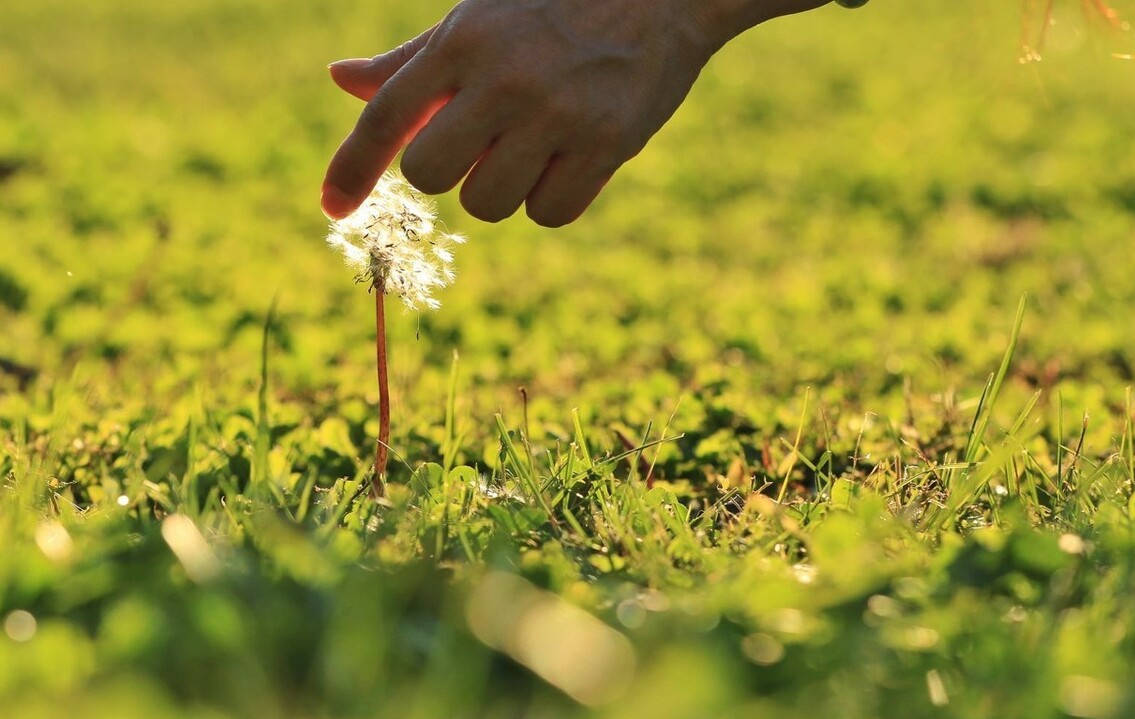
[383, 449]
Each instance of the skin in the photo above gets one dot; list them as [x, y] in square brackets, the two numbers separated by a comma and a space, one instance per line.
[531, 102]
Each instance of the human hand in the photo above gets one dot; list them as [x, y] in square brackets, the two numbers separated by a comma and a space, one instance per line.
[537, 102]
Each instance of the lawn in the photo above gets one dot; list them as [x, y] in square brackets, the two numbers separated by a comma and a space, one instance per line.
[861, 312]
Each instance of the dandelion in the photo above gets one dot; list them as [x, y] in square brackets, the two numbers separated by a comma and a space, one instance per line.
[393, 243]
[396, 248]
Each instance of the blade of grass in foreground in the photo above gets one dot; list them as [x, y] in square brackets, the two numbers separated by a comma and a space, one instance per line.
[448, 454]
[260, 474]
[795, 447]
[966, 483]
[263, 431]
[1129, 437]
[522, 470]
[449, 449]
[985, 408]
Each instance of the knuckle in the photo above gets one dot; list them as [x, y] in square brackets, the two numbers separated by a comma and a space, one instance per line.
[369, 119]
[518, 84]
[375, 122]
[458, 38]
[403, 53]
[562, 111]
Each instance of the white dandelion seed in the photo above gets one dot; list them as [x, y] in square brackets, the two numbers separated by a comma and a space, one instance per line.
[394, 244]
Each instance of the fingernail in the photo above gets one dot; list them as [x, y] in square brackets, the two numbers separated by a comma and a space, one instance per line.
[354, 63]
[335, 203]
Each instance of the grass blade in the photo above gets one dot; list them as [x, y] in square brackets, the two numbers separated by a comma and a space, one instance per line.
[985, 408]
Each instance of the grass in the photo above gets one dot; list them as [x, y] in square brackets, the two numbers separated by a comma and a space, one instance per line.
[808, 289]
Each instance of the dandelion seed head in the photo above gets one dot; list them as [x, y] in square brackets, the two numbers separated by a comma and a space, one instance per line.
[393, 243]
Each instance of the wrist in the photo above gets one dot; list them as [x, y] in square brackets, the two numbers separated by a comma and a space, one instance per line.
[723, 20]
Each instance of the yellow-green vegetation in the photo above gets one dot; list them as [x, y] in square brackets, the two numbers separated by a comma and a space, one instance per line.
[805, 290]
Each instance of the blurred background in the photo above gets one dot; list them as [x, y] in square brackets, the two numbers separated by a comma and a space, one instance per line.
[847, 199]
[852, 202]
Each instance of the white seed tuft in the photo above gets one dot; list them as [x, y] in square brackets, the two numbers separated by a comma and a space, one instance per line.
[392, 241]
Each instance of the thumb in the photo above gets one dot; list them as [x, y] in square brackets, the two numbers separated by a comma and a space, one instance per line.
[362, 77]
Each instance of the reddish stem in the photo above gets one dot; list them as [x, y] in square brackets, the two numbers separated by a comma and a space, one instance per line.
[383, 450]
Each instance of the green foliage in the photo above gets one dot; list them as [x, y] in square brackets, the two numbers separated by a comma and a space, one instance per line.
[808, 288]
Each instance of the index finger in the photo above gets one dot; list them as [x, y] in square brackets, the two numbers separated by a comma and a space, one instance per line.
[390, 120]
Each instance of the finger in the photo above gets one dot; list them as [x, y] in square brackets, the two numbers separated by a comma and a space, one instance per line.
[362, 77]
[497, 186]
[448, 146]
[566, 189]
[389, 120]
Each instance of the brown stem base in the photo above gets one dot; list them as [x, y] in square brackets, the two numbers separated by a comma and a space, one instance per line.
[382, 453]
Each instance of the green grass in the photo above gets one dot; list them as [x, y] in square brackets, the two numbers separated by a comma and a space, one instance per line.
[808, 288]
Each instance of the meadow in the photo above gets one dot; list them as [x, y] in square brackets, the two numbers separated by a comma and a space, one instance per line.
[861, 313]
